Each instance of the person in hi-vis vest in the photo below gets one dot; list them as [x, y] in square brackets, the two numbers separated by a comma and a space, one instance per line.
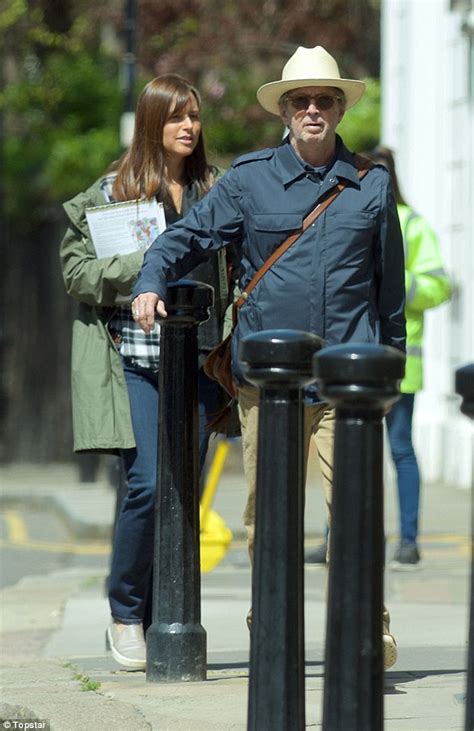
[427, 285]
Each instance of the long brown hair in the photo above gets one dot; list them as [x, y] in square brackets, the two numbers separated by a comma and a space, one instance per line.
[384, 156]
[141, 171]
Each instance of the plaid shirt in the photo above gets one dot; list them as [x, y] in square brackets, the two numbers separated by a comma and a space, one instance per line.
[130, 340]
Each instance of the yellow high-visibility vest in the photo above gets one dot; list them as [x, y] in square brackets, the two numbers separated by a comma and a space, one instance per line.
[427, 285]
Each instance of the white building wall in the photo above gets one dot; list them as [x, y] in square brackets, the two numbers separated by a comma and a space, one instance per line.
[428, 120]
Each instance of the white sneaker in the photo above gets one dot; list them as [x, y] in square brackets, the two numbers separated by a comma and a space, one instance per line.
[127, 644]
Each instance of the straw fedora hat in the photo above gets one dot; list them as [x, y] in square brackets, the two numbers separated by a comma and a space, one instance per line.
[309, 67]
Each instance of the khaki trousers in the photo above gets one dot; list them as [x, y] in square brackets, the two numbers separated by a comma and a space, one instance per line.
[319, 421]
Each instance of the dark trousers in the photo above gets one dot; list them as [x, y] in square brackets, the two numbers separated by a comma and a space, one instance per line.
[132, 558]
[399, 427]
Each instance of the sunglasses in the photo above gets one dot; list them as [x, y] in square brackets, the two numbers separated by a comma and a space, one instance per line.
[323, 102]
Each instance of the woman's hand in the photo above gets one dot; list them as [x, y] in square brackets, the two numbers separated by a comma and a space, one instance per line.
[144, 307]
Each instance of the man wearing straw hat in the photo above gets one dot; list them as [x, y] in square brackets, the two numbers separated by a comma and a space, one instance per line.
[343, 279]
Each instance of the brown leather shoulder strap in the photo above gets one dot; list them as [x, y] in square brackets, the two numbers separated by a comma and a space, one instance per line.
[363, 166]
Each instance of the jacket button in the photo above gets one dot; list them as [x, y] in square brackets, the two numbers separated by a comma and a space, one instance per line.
[332, 180]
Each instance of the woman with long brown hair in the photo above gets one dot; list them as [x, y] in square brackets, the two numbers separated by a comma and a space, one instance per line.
[114, 364]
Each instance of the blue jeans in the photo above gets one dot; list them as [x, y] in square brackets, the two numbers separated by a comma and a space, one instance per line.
[399, 424]
[132, 558]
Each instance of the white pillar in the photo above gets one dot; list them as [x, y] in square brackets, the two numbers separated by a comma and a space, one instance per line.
[428, 120]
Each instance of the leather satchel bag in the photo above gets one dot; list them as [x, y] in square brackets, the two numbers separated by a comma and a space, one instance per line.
[218, 365]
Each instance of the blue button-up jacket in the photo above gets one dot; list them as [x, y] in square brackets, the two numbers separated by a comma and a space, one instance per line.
[342, 280]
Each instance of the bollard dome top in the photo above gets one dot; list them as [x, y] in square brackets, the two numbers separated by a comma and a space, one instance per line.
[188, 293]
[279, 348]
[359, 363]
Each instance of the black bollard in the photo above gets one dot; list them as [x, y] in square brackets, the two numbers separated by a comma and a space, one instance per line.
[465, 388]
[279, 363]
[176, 640]
[361, 381]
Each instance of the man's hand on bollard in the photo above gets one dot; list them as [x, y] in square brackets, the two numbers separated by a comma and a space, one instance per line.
[144, 307]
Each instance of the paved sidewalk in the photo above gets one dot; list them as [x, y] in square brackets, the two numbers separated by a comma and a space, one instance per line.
[52, 626]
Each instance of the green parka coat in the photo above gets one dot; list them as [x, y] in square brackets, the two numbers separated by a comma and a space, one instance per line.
[100, 405]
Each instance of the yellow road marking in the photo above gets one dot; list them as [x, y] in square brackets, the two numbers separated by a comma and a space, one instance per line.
[425, 539]
[16, 526]
[437, 538]
[87, 550]
[18, 537]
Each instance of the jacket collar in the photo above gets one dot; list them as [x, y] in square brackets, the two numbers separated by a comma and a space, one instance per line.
[293, 168]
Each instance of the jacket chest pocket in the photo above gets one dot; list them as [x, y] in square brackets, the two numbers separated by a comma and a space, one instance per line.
[269, 230]
[350, 237]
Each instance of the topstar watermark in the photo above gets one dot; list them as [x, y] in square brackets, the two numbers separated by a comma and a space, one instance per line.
[13, 723]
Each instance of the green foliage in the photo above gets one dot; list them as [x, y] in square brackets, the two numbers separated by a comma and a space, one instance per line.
[360, 127]
[61, 104]
[75, 161]
[10, 14]
[61, 126]
[234, 122]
